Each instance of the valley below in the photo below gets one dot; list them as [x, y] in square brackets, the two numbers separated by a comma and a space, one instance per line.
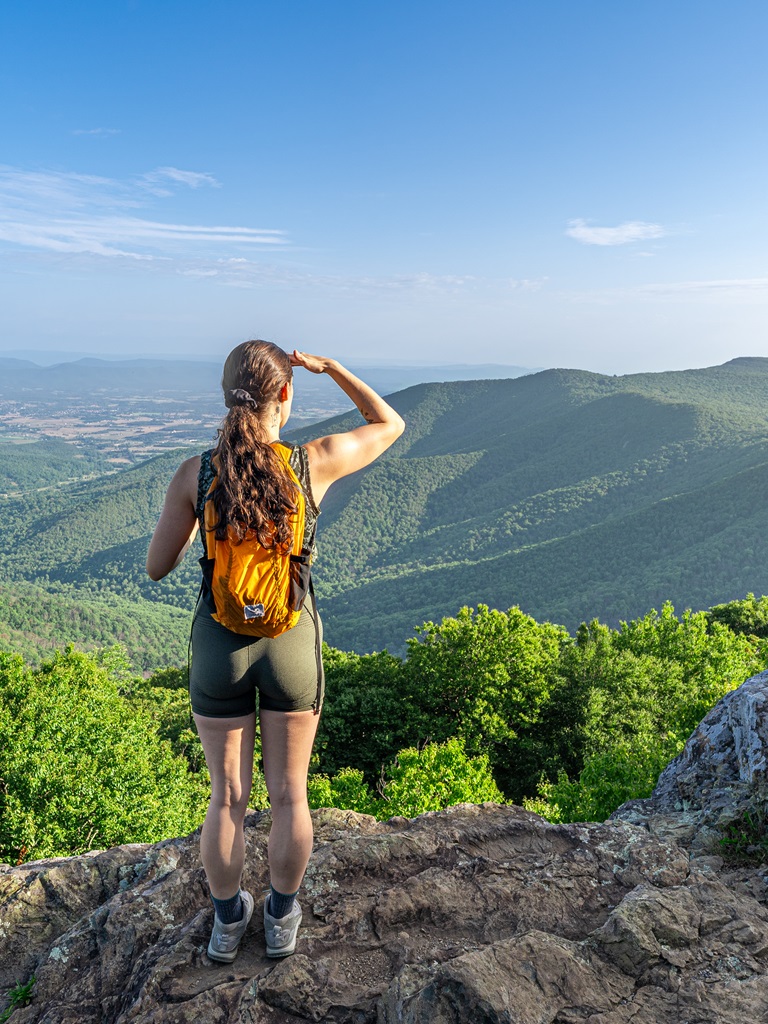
[572, 495]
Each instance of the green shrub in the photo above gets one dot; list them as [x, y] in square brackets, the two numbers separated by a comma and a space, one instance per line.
[431, 778]
[20, 995]
[82, 767]
[641, 691]
[367, 714]
[748, 616]
[608, 779]
[346, 790]
[436, 776]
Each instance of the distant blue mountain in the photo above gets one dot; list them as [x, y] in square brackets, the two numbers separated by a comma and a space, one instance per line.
[143, 376]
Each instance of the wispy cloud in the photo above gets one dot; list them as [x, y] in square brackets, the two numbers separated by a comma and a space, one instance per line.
[43, 191]
[96, 131]
[76, 213]
[423, 282]
[719, 286]
[192, 178]
[736, 290]
[527, 284]
[160, 181]
[108, 236]
[622, 234]
[238, 272]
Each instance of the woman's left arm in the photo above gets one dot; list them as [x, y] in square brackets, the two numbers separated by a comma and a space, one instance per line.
[177, 525]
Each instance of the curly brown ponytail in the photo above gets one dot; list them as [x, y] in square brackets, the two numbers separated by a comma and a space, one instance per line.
[254, 492]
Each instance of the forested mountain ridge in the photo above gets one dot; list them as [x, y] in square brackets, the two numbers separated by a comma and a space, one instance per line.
[30, 465]
[572, 494]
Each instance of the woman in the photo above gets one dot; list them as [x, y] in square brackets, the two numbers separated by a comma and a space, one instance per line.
[229, 669]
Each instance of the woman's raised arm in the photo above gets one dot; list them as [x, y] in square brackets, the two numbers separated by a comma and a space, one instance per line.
[338, 455]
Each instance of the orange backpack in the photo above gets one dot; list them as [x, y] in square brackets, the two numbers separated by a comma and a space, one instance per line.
[257, 591]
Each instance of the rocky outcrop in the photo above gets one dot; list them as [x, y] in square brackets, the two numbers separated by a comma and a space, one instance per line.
[476, 914]
[721, 774]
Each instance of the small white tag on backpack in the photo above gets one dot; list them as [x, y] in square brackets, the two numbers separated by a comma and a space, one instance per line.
[253, 611]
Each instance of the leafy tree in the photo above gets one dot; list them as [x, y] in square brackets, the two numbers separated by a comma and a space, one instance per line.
[749, 616]
[164, 698]
[642, 690]
[486, 678]
[483, 676]
[171, 678]
[624, 771]
[429, 778]
[704, 661]
[436, 776]
[346, 790]
[368, 712]
[169, 711]
[81, 767]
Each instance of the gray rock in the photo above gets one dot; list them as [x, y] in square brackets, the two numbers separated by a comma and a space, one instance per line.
[473, 915]
[721, 773]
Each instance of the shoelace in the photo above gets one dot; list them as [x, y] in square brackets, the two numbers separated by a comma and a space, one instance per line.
[280, 934]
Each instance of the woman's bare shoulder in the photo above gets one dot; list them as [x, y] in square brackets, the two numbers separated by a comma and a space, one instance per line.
[190, 468]
[185, 478]
[190, 465]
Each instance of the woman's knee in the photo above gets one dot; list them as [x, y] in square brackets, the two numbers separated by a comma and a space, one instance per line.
[231, 796]
[289, 800]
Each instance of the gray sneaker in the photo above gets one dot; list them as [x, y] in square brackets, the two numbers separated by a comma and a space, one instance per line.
[280, 932]
[225, 938]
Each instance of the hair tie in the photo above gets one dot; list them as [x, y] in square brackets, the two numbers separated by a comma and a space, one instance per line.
[241, 397]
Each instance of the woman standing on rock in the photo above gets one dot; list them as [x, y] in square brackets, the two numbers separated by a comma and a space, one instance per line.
[254, 492]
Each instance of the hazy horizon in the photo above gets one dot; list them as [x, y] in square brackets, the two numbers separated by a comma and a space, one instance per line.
[48, 357]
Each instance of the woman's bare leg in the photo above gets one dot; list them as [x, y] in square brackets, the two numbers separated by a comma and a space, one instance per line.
[286, 746]
[228, 745]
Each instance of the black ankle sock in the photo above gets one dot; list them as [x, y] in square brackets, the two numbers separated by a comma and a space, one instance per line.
[280, 904]
[229, 911]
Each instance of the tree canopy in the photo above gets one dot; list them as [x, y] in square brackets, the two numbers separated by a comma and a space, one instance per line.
[81, 766]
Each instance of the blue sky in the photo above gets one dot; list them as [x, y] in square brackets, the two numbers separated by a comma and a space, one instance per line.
[555, 183]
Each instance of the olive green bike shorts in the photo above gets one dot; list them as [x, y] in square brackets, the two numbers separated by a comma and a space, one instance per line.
[229, 669]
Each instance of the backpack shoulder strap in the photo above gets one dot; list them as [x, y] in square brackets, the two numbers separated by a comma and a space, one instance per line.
[204, 480]
[299, 462]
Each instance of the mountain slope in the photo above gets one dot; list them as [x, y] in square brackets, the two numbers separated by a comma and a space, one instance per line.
[572, 494]
[33, 464]
[696, 549]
